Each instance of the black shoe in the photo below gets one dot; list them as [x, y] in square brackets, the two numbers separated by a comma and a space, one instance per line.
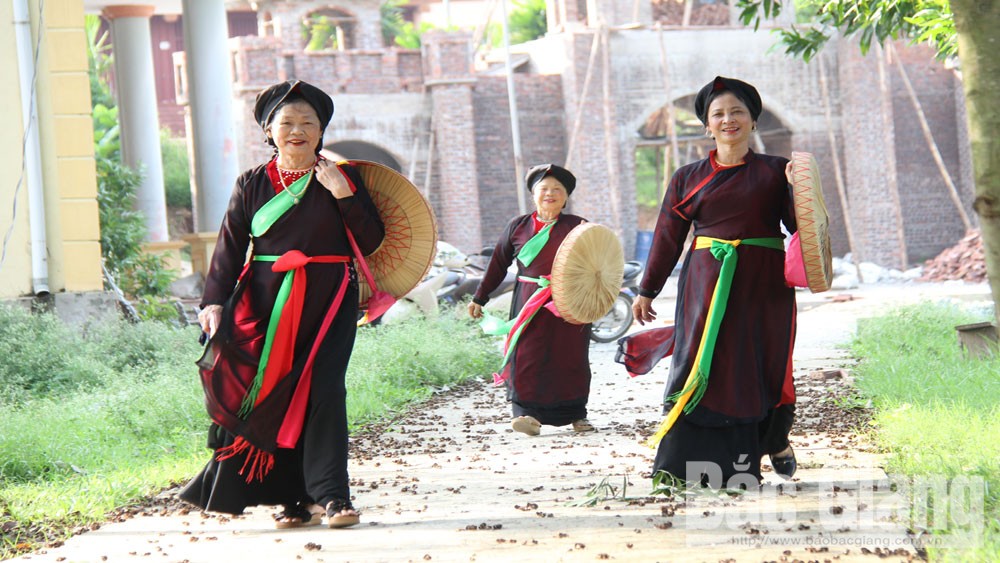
[785, 465]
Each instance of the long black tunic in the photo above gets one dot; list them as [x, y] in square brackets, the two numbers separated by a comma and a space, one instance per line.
[316, 470]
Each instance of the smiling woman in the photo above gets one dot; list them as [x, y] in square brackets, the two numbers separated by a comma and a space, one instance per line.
[280, 341]
[545, 388]
[729, 398]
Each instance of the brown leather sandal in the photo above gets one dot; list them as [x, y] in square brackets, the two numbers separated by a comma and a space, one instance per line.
[335, 517]
[297, 516]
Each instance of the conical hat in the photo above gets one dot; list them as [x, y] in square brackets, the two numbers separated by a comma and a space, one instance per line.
[407, 251]
[813, 222]
[587, 273]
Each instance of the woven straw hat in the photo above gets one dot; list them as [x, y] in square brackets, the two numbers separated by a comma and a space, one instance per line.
[587, 273]
[813, 221]
[407, 251]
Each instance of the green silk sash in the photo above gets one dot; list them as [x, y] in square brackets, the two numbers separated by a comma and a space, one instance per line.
[494, 325]
[697, 381]
[278, 205]
[534, 246]
[272, 326]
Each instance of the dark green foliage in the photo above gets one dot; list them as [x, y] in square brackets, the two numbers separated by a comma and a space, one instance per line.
[647, 185]
[122, 227]
[176, 171]
[877, 21]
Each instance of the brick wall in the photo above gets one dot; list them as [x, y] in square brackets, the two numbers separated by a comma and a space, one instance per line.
[540, 110]
[457, 193]
[930, 217]
[471, 180]
[869, 157]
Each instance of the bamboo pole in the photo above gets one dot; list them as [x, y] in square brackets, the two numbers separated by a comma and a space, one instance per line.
[837, 174]
[929, 137]
[583, 98]
[515, 126]
[612, 154]
[675, 160]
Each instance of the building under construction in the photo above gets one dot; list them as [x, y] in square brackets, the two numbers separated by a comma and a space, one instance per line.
[610, 84]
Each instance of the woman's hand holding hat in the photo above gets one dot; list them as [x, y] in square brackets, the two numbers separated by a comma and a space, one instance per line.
[333, 179]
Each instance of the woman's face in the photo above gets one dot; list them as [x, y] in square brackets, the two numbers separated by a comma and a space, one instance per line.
[549, 195]
[295, 130]
[729, 120]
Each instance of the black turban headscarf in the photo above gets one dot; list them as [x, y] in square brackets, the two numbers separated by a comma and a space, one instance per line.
[745, 92]
[273, 97]
[537, 173]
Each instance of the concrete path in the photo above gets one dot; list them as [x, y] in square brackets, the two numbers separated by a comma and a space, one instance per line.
[453, 482]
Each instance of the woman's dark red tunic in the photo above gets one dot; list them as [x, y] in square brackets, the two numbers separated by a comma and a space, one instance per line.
[550, 369]
[752, 360]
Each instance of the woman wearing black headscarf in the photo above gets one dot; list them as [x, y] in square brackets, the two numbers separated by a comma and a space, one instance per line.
[547, 372]
[282, 324]
[729, 399]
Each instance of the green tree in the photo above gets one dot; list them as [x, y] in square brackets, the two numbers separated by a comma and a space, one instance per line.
[322, 34]
[526, 22]
[391, 16]
[966, 29]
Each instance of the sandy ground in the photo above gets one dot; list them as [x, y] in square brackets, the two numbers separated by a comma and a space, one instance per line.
[453, 482]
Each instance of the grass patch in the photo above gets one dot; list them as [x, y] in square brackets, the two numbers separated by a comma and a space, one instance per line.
[937, 413]
[91, 422]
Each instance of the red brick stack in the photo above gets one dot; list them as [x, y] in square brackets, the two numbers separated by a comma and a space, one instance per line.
[963, 261]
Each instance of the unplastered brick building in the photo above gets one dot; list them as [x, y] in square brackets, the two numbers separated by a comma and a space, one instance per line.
[588, 95]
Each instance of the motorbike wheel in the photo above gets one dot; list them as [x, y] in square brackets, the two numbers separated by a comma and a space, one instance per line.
[616, 323]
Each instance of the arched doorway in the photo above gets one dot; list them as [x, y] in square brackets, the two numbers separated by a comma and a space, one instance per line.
[360, 150]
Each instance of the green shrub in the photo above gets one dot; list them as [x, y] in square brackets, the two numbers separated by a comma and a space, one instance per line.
[41, 357]
[123, 231]
[176, 171]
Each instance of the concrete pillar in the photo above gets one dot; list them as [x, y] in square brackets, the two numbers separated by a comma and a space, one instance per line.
[137, 111]
[214, 161]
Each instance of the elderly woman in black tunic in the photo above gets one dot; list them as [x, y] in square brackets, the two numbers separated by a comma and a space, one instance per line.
[547, 371]
[729, 398]
[282, 322]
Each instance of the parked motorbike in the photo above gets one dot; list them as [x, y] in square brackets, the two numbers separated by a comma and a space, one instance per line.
[465, 272]
[616, 323]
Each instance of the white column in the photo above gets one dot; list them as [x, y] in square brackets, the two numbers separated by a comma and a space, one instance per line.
[137, 117]
[210, 91]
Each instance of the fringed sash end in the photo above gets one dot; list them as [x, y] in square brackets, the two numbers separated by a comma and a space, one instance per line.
[256, 466]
